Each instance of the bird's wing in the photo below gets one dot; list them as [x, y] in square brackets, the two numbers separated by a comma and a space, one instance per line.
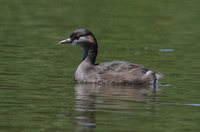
[117, 67]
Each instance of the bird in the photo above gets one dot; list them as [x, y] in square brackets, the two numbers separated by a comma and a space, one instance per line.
[114, 72]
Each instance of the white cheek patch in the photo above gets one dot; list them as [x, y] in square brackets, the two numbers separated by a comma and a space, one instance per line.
[82, 38]
[79, 41]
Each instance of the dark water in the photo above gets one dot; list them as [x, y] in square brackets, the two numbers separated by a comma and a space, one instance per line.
[36, 75]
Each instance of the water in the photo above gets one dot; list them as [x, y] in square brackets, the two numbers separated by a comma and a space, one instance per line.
[36, 74]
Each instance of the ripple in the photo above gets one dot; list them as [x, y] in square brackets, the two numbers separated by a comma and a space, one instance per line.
[192, 104]
[164, 85]
[179, 104]
[166, 50]
[87, 124]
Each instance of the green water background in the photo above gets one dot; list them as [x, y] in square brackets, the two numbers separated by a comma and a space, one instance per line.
[36, 75]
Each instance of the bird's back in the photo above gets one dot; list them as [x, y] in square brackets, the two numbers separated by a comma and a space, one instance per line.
[115, 72]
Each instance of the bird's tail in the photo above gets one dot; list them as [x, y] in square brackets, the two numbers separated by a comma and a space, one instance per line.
[159, 75]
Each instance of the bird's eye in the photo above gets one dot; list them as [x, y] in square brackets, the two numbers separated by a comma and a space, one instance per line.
[77, 38]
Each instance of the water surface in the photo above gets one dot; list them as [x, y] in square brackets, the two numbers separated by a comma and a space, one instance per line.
[36, 74]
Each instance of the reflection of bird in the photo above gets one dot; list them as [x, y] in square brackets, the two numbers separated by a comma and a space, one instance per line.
[115, 72]
[91, 99]
[88, 92]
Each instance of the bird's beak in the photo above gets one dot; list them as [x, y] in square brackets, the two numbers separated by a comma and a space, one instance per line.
[66, 41]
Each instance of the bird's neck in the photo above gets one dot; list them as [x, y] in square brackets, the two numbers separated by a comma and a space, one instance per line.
[90, 54]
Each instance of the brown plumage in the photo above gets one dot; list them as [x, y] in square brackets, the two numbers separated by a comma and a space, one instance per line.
[115, 72]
